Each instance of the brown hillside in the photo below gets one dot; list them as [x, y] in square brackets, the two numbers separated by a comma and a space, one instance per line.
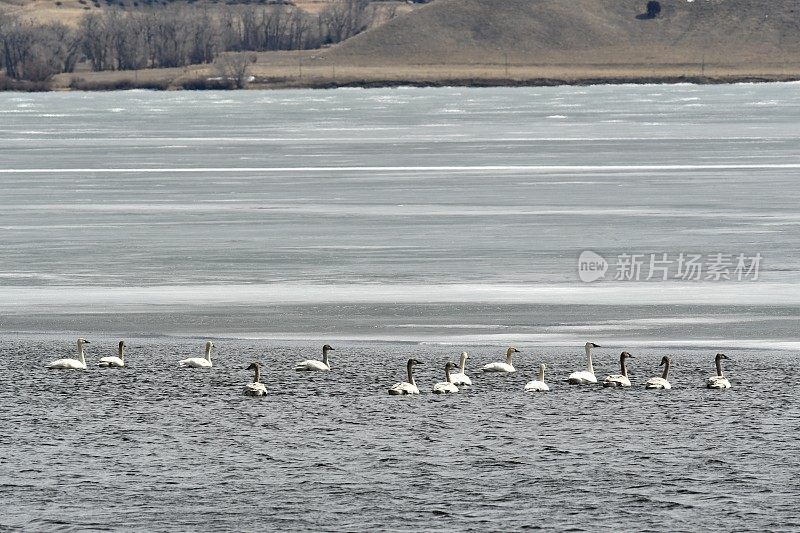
[540, 42]
[583, 32]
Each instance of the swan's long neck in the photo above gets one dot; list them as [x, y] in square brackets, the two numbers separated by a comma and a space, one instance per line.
[463, 363]
[257, 377]
[411, 375]
[509, 355]
[447, 374]
[623, 369]
[541, 373]
[121, 351]
[589, 366]
[208, 353]
[666, 370]
[325, 357]
[719, 367]
[81, 356]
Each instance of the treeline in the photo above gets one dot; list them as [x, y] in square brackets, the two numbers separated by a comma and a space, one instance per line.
[174, 35]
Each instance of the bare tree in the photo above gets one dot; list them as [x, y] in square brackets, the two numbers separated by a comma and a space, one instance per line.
[298, 31]
[35, 52]
[5, 27]
[235, 67]
[344, 18]
[97, 41]
[231, 32]
[173, 35]
[203, 38]
[67, 43]
[18, 42]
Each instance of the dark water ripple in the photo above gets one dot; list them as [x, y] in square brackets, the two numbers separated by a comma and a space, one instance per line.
[156, 448]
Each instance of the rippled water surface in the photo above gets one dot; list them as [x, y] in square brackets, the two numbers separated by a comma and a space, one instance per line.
[395, 223]
[154, 447]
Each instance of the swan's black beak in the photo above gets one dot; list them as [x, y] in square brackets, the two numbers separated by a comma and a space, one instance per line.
[86, 342]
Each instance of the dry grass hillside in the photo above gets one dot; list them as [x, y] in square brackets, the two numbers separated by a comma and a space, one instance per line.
[509, 42]
[584, 32]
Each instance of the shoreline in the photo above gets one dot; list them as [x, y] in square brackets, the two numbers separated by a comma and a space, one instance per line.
[127, 85]
[512, 83]
[286, 76]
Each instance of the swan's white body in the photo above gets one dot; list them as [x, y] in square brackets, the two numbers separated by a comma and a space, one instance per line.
[619, 380]
[198, 362]
[660, 382]
[256, 388]
[446, 387]
[111, 362]
[403, 387]
[657, 383]
[72, 364]
[313, 365]
[406, 387]
[616, 380]
[461, 378]
[114, 362]
[719, 381]
[585, 377]
[538, 385]
[502, 367]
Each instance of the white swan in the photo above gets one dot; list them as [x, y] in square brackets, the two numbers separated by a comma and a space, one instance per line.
[114, 362]
[199, 362]
[503, 367]
[585, 377]
[447, 386]
[256, 388]
[315, 365]
[72, 364]
[461, 378]
[621, 379]
[719, 381]
[538, 385]
[406, 387]
[660, 383]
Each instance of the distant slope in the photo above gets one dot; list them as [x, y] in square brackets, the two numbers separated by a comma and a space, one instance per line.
[583, 32]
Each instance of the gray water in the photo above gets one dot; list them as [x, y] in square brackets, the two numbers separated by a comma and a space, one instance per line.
[154, 447]
[396, 223]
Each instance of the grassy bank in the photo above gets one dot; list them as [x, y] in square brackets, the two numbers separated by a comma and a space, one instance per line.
[279, 71]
